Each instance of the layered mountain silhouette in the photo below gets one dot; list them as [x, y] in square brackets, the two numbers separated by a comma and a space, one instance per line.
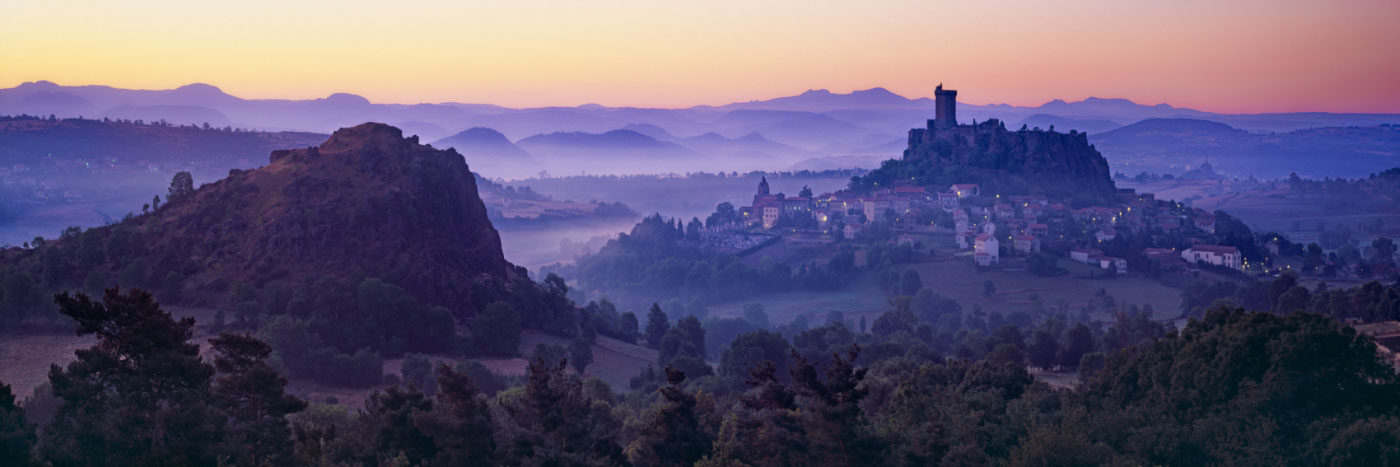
[1165, 144]
[30, 141]
[819, 121]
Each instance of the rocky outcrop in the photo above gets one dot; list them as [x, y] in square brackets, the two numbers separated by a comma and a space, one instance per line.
[1034, 161]
[366, 203]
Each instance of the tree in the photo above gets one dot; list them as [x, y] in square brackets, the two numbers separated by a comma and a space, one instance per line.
[628, 327]
[910, 283]
[1078, 341]
[496, 329]
[140, 396]
[673, 436]
[687, 338]
[657, 325]
[1383, 251]
[388, 430]
[805, 192]
[692, 229]
[181, 186]
[1043, 348]
[254, 398]
[418, 372]
[837, 430]
[988, 288]
[750, 351]
[552, 423]
[460, 423]
[580, 354]
[16, 433]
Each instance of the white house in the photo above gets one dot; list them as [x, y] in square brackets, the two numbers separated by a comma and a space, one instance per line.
[1106, 234]
[968, 190]
[948, 200]
[987, 244]
[1115, 264]
[1218, 255]
[962, 238]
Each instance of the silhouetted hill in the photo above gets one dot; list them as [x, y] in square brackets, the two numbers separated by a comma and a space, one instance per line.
[1174, 127]
[1003, 162]
[752, 145]
[488, 151]
[1167, 145]
[481, 141]
[821, 100]
[655, 132]
[621, 142]
[28, 141]
[1045, 121]
[366, 203]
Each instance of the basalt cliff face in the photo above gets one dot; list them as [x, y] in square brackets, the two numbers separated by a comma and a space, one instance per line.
[1033, 161]
[366, 203]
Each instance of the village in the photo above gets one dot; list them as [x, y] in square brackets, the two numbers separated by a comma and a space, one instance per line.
[990, 229]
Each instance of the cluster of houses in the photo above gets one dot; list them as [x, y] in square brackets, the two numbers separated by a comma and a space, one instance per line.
[1028, 220]
[767, 208]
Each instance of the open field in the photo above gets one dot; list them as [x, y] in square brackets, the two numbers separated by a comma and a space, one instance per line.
[958, 279]
[860, 298]
[614, 361]
[25, 360]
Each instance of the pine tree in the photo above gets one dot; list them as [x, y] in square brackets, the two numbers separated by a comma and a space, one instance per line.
[837, 431]
[554, 424]
[16, 433]
[388, 430]
[673, 436]
[460, 422]
[254, 398]
[657, 325]
[140, 396]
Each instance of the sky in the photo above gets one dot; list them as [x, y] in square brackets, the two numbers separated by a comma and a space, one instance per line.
[1224, 56]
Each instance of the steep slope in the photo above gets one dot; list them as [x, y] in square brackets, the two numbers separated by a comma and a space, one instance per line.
[366, 203]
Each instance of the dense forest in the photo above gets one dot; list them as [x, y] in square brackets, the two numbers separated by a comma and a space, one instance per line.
[1231, 387]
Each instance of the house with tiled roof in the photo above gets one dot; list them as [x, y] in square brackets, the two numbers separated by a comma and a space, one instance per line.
[1218, 255]
[966, 190]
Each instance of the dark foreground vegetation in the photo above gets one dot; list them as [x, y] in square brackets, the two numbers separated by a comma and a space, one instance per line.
[1231, 387]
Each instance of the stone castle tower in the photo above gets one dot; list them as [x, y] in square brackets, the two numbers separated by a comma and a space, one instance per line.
[945, 107]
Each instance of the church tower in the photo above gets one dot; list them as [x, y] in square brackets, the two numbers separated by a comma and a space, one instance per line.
[763, 187]
[945, 107]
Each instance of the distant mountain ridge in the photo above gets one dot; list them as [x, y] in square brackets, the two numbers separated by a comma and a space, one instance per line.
[819, 122]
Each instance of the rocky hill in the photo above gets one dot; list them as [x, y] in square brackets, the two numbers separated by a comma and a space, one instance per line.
[366, 203]
[1002, 161]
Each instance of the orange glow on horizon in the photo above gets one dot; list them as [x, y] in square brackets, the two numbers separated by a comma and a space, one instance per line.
[1240, 57]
